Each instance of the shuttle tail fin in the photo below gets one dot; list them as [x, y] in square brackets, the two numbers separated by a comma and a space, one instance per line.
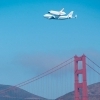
[62, 10]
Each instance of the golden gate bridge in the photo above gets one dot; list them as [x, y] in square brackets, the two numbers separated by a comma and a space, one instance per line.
[80, 83]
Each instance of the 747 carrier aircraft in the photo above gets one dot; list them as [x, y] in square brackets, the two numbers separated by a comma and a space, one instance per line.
[60, 15]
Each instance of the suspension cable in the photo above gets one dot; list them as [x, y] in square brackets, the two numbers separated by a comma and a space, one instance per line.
[93, 69]
[37, 77]
[93, 62]
[47, 74]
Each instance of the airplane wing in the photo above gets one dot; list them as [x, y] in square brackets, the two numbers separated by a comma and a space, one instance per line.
[51, 17]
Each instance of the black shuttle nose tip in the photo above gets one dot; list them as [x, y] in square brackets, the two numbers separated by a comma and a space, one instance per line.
[48, 11]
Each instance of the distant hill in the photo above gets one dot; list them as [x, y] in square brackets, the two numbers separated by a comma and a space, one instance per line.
[93, 93]
[18, 94]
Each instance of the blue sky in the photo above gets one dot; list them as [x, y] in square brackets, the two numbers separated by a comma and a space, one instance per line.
[31, 44]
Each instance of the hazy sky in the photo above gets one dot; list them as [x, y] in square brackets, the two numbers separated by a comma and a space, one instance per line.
[31, 44]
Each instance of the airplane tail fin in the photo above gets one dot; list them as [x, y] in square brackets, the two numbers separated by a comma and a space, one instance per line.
[75, 16]
[70, 14]
[62, 10]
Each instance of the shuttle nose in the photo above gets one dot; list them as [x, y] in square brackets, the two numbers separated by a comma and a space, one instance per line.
[48, 11]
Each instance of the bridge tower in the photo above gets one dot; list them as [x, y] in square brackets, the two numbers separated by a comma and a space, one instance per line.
[80, 87]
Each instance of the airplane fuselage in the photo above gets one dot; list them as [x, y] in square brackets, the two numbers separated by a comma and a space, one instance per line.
[49, 16]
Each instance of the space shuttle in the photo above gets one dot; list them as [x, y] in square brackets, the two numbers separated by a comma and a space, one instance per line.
[53, 12]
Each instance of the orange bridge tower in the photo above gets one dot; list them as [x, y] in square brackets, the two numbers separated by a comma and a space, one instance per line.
[80, 74]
